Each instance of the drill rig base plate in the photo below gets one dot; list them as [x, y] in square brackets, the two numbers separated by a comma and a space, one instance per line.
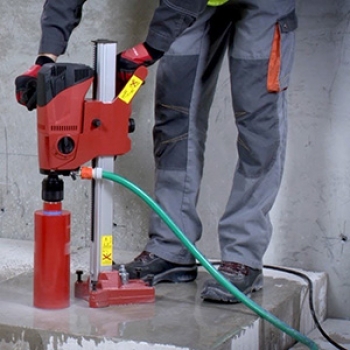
[109, 290]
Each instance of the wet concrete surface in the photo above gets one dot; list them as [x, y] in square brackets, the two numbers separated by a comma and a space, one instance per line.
[178, 319]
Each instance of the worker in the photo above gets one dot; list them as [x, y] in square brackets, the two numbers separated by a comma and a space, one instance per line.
[189, 39]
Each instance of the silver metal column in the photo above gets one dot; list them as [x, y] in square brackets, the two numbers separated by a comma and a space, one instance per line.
[101, 252]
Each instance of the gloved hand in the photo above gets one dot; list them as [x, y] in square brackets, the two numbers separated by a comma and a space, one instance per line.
[129, 60]
[26, 83]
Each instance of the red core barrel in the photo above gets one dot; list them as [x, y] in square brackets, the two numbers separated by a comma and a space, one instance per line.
[52, 257]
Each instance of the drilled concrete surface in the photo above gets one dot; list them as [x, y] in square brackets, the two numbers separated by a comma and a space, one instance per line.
[178, 319]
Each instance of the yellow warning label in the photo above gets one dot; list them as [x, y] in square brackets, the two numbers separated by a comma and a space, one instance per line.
[130, 89]
[106, 250]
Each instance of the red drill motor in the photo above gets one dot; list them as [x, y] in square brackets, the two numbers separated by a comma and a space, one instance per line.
[72, 130]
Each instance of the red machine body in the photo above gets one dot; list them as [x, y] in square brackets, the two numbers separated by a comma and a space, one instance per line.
[52, 257]
[73, 130]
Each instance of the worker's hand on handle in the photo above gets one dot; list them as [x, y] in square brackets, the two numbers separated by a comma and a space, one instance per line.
[26, 83]
[129, 60]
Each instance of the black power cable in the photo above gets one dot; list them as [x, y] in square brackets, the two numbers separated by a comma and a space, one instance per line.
[311, 302]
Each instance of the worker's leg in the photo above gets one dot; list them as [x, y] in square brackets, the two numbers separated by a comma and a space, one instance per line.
[261, 56]
[186, 82]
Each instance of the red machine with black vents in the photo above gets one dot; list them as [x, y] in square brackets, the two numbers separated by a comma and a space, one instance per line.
[73, 130]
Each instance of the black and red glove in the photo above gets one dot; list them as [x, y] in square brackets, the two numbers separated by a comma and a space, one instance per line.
[129, 60]
[26, 83]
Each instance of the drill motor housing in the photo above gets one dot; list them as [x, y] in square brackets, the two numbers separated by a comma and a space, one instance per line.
[72, 129]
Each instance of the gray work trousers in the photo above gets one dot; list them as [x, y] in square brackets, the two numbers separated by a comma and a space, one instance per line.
[258, 36]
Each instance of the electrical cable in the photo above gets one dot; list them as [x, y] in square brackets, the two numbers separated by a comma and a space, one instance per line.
[311, 303]
[207, 265]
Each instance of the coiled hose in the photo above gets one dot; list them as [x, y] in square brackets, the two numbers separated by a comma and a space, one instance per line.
[205, 263]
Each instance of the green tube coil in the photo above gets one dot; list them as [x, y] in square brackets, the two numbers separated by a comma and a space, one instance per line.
[207, 265]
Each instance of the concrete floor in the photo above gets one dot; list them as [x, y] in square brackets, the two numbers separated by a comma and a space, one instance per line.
[178, 319]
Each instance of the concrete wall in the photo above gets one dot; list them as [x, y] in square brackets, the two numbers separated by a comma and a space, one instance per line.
[312, 210]
[311, 216]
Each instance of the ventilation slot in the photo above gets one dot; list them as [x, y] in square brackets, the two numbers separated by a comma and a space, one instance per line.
[64, 128]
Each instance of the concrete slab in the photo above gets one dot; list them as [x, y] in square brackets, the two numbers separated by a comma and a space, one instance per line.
[178, 319]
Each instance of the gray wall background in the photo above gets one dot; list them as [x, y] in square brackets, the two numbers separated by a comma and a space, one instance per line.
[311, 215]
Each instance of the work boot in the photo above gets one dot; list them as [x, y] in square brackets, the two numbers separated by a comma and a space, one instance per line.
[244, 278]
[148, 265]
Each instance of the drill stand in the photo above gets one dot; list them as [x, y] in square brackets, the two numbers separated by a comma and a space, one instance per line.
[112, 288]
[73, 130]
[106, 286]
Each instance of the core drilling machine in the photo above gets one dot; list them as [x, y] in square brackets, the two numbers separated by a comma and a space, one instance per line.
[73, 130]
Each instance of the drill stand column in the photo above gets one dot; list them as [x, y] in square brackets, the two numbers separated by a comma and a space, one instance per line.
[106, 286]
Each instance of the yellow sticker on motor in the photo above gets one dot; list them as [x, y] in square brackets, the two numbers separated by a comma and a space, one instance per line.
[106, 250]
[130, 89]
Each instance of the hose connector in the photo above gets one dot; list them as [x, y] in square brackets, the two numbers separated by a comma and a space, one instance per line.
[88, 173]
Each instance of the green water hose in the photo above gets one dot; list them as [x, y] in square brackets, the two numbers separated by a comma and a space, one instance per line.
[207, 265]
